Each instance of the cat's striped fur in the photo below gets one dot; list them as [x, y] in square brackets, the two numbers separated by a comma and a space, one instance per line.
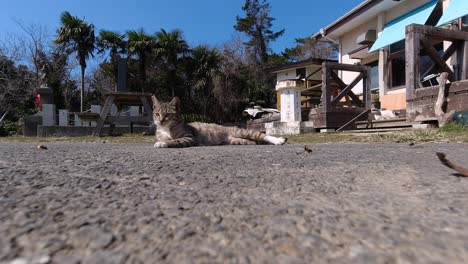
[172, 132]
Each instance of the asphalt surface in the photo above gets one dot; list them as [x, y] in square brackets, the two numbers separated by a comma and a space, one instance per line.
[131, 203]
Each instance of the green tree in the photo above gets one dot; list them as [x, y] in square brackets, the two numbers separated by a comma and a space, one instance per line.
[54, 67]
[141, 44]
[171, 46]
[114, 43]
[17, 85]
[257, 25]
[111, 41]
[77, 35]
[307, 48]
[206, 63]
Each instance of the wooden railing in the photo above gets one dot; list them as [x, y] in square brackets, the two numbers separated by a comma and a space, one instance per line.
[422, 38]
[334, 89]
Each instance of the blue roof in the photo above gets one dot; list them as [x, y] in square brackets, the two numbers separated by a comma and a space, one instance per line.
[395, 30]
[456, 9]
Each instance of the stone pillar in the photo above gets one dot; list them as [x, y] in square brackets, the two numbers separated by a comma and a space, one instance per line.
[78, 122]
[48, 114]
[46, 94]
[122, 75]
[290, 104]
[63, 117]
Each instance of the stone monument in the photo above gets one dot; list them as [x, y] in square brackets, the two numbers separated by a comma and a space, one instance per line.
[291, 116]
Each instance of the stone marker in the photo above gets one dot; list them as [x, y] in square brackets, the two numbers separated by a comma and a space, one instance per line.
[78, 121]
[63, 117]
[48, 114]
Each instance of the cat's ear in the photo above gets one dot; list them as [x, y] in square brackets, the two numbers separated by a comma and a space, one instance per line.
[175, 103]
[156, 103]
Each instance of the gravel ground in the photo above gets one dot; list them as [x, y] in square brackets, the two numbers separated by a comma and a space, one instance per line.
[131, 203]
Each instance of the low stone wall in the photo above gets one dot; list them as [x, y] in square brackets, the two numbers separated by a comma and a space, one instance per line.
[30, 125]
[421, 108]
[259, 124]
[70, 131]
[289, 128]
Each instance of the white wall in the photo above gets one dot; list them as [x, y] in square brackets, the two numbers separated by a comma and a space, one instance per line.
[316, 76]
[285, 75]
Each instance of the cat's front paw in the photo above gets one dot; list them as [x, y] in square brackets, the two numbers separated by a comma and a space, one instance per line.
[160, 145]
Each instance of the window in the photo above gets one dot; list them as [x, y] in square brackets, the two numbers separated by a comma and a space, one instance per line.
[374, 77]
[397, 65]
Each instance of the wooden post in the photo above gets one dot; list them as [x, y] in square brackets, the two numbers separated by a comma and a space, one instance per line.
[326, 88]
[366, 89]
[383, 72]
[412, 48]
[464, 65]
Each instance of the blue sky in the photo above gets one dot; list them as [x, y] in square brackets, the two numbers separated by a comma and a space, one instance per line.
[202, 21]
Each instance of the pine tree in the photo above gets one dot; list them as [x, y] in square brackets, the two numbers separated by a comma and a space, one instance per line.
[257, 25]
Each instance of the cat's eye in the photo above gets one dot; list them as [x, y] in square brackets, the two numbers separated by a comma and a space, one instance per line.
[157, 114]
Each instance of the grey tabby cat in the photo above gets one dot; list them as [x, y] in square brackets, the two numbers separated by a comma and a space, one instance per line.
[172, 132]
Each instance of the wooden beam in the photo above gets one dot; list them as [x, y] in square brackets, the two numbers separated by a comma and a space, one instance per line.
[432, 52]
[442, 33]
[366, 111]
[343, 85]
[316, 87]
[447, 54]
[102, 118]
[310, 75]
[345, 67]
[348, 88]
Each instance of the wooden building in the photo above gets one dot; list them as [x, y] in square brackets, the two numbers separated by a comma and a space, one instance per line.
[396, 49]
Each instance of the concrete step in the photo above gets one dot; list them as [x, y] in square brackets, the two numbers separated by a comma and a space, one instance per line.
[388, 123]
[377, 130]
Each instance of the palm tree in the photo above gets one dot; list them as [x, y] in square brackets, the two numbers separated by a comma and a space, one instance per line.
[171, 46]
[141, 44]
[111, 41]
[206, 63]
[77, 35]
[114, 43]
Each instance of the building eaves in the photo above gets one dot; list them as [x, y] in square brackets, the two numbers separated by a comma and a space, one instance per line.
[355, 12]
